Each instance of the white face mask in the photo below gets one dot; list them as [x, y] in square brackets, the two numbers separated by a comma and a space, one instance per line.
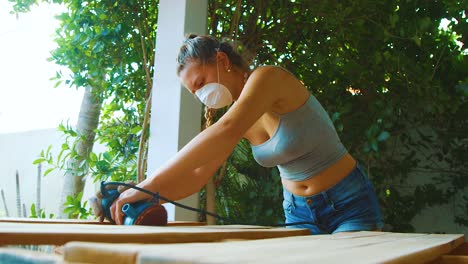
[214, 95]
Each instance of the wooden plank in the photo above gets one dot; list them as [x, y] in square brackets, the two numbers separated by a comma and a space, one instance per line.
[59, 234]
[461, 250]
[82, 221]
[456, 256]
[49, 221]
[449, 259]
[359, 247]
[101, 253]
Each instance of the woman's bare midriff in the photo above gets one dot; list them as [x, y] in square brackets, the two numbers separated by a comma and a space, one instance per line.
[324, 180]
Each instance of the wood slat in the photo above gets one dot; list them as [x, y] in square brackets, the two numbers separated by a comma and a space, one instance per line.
[461, 250]
[59, 234]
[83, 221]
[449, 259]
[360, 247]
[456, 256]
[50, 221]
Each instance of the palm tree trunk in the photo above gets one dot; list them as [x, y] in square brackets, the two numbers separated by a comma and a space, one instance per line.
[38, 189]
[7, 214]
[18, 195]
[88, 120]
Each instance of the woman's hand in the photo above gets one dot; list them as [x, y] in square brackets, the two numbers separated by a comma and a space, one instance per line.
[127, 197]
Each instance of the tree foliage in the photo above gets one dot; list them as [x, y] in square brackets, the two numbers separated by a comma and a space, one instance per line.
[108, 49]
[393, 80]
[108, 45]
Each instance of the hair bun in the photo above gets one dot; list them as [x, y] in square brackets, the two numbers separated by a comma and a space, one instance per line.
[191, 36]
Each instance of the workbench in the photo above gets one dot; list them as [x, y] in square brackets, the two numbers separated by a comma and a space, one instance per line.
[105, 243]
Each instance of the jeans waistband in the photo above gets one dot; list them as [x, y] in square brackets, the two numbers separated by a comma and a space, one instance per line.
[311, 200]
[305, 200]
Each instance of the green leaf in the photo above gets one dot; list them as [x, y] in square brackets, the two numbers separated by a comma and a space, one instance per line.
[93, 157]
[374, 145]
[107, 156]
[33, 211]
[384, 135]
[57, 84]
[39, 160]
[335, 116]
[69, 209]
[135, 130]
[339, 127]
[48, 149]
[417, 40]
[49, 170]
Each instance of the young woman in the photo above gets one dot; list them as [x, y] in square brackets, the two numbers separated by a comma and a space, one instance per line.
[286, 127]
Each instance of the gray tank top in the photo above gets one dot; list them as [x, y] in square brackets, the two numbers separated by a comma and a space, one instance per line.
[304, 144]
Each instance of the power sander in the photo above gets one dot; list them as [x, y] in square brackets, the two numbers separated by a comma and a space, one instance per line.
[149, 213]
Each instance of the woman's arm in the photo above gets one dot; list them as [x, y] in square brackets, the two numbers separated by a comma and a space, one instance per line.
[178, 187]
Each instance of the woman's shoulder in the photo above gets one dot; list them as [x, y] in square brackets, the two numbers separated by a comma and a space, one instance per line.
[270, 69]
[272, 72]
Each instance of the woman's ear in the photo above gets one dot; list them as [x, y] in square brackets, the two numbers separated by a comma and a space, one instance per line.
[224, 61]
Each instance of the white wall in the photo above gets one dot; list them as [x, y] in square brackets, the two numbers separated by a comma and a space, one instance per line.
[17, 152]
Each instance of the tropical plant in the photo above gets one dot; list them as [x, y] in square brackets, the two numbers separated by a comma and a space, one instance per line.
[388, 72]
[41, 213]
[76, 208]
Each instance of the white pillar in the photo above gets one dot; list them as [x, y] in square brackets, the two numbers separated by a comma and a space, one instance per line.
[175, 114]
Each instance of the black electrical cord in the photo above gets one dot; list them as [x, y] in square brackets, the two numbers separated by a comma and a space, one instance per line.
[158, 197]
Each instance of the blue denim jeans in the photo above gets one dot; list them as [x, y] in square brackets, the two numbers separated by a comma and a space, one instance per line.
[350, 205]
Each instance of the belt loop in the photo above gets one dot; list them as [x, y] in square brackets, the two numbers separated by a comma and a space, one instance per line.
[327, 199]
[293, 200]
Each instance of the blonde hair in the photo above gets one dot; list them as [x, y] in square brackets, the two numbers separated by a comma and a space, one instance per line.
[209, 117]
